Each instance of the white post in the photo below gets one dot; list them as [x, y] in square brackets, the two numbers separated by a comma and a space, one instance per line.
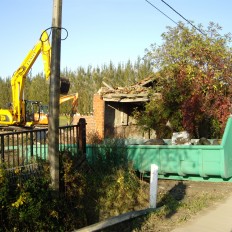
[153, 185]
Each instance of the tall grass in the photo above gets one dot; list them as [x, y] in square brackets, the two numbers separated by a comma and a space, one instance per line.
[89, 192]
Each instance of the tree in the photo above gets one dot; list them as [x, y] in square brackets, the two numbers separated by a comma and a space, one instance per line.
[37, 88]
[193, 74]
[5, 97]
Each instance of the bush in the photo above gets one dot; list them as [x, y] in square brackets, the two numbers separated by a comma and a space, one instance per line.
[88, 193]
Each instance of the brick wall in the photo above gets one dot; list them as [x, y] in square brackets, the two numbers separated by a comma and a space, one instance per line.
[99, 114]
[90, 126]
[95, 122]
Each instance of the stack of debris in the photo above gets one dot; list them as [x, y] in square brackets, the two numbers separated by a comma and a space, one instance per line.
[140, 92]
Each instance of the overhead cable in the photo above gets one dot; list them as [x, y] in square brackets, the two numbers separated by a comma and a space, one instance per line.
[183, 18]
[161, 12]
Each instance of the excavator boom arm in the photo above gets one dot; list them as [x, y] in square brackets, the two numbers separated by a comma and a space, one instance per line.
[22, 112]
[19, 77]
[65, 98]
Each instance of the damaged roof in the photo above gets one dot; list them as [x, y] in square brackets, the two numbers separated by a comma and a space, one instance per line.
[140, 92]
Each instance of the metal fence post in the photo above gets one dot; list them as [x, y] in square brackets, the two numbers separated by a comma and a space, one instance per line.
[82, 135]
[2, 149]
[31, 143]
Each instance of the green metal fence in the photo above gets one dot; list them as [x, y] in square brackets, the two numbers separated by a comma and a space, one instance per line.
[21, 148]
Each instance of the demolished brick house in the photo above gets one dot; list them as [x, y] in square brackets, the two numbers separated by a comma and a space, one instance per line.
[113, 108]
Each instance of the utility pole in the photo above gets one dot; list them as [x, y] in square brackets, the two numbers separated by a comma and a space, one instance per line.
[54, 94]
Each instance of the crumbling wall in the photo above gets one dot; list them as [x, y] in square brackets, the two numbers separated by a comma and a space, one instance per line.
[95, 122]
[113, 119]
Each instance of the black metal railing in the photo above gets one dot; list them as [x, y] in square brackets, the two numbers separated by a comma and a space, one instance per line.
[25, 147]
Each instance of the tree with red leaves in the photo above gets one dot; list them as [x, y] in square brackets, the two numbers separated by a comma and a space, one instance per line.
[193, 74]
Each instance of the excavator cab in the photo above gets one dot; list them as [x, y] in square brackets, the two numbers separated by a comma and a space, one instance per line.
[43, 116]
[32, 112]
[36, 113]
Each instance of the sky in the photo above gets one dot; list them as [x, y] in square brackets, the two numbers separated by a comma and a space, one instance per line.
[99, 31]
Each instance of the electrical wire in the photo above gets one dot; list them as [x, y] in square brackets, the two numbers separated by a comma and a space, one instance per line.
[50, 30]
[176, 13]
[183, 17]
[161, 12]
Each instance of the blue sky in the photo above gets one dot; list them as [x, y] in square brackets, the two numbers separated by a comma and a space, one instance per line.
[99, 31]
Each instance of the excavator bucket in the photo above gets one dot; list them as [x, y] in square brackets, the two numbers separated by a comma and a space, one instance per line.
[64, 85]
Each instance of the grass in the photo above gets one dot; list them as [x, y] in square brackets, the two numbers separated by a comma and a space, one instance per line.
[104, 188]
[64, 120]
[178, 206]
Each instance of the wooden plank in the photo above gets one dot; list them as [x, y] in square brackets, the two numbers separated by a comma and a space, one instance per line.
[126, 99]
[134, 100]
[108, 86]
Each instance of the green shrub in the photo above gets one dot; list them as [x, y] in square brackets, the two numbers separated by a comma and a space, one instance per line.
[88, 192]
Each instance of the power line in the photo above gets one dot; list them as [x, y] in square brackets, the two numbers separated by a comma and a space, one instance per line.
[176, 13]
[161, 12]
[183, 17]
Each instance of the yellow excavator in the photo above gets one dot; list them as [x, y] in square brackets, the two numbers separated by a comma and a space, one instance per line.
[22, 112]
[43, 117]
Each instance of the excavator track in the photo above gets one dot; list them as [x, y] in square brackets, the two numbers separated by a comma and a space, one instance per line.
[14, 128]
